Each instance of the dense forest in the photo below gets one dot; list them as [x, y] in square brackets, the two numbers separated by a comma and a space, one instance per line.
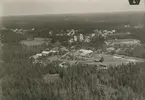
[22, 80]
[84, 20]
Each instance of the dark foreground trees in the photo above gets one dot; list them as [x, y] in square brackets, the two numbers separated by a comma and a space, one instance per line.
[23, 81]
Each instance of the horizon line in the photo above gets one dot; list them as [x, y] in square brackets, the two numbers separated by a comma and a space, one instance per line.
[115, 11]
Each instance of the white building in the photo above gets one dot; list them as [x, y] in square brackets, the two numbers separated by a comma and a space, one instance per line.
[93, 35]
[81, 37]
[75, 38]
[45, 53]
[84, 52]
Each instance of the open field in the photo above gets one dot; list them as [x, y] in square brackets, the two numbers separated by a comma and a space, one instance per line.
[109, 60]
[34, 42]
[114, 60]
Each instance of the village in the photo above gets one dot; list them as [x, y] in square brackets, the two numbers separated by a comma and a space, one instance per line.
[113, 51]
[80, 47]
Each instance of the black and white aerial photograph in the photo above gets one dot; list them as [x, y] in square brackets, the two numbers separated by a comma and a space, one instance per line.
[72, 49]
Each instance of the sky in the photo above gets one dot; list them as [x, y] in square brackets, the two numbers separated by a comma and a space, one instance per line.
[30, 7]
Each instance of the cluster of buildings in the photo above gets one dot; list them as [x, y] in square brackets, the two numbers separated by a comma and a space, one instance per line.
[19, 31]
[63, 56]
[74, 35]
[124, 42]
[138, 26]
[122, 46]
[78, 36]
[80, 54]
[48, 52]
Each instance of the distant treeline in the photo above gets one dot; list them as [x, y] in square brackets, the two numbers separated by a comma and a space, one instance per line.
[92, 20]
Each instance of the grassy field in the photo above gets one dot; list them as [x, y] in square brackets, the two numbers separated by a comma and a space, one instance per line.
[109, 60]
[34, 42]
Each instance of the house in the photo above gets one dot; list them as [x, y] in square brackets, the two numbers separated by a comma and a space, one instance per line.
[45, 53]
[50, 33]
[111, 50]
[75, 38]
[113, 31]
[84, 52]
[36, 56]
[127, 26]
[81, 37]
[93, 35]
[33, 29]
